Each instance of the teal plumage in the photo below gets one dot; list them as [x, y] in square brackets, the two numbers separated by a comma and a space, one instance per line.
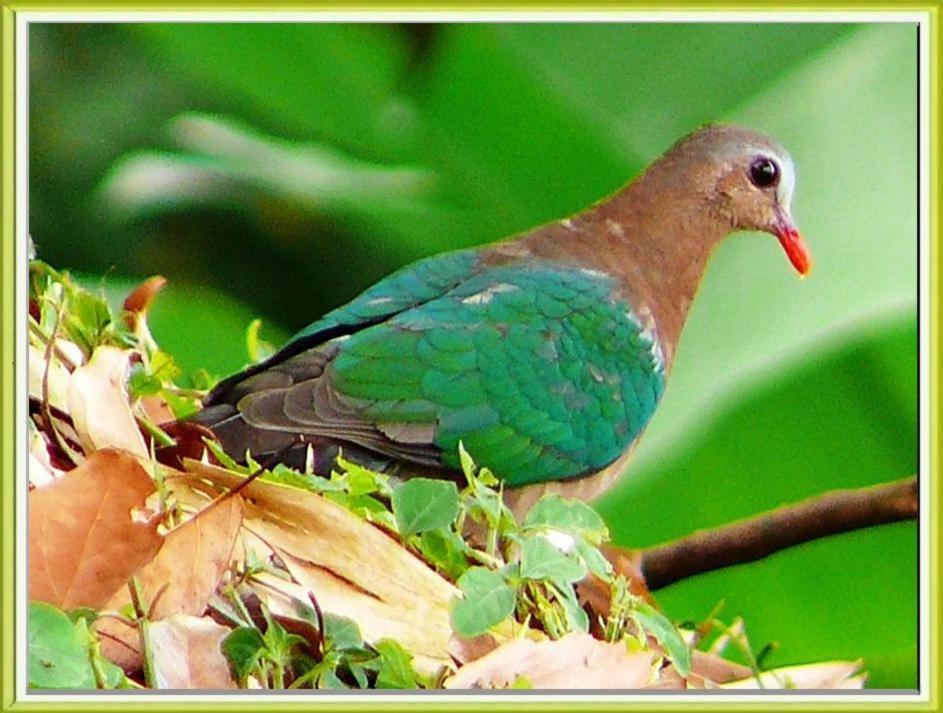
[545, 355]
[537, 368]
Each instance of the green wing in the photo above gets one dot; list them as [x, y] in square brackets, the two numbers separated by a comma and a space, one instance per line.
[536, 368]
[412, 285]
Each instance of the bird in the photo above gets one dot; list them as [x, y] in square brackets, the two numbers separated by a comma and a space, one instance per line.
[544, 354]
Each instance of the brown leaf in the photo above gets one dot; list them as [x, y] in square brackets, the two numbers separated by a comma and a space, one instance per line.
[185, 651]
[714, 668]
[98, 403]
[83, 542]
[138, 302]
[156, 408]
[352, 568]
[181, 578]
[575, 661]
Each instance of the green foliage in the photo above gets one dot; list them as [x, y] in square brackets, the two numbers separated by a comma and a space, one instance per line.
[243, 647]
[63, 653]
[487, 601]
[655, 623]
[780, 390]
[421, 505]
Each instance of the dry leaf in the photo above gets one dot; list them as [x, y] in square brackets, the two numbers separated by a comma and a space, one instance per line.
[156, 408]
[57, 378]
[716, 669]
[98, 403]
[825, 675]
[83, 542]
[353, 568]
[180, 579]
[139, 301]
[185, 651]
[577, 661]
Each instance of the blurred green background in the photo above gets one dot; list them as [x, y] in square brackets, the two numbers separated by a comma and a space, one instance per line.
[277, 170]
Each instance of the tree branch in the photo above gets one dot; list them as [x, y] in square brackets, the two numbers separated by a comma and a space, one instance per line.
[762, 535]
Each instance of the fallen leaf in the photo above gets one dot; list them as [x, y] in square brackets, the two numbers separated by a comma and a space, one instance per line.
[180, 579]
[577, 661]
[99, 406]
[185, 651]
[40, 473]
[156, 408]
[353, 568]
[824, 675]
[717, 669]
[83, 542]
[57, 378]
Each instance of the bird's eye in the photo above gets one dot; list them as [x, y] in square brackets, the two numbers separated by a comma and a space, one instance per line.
[764, 172]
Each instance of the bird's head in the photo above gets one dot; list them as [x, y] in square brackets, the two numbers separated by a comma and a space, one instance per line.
[746, 179]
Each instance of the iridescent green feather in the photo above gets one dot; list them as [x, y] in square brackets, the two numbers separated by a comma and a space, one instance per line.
[536, 368]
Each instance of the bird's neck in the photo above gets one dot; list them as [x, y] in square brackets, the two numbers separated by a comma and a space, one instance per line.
[655, 239]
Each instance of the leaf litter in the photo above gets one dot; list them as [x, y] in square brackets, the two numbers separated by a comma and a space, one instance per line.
[190, 576]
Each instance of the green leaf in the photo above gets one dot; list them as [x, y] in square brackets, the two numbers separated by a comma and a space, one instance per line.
[243, 648]
[595, 560]
[666, 634]
[351, 73]
[330, 680]
[540, 559]
[341, 633]
[58, 649]
[576, 617]
[487, 601]
[445, 550]
[358, 480]
[570, 516]
[394, 666]
[422, 504]
[257, 348]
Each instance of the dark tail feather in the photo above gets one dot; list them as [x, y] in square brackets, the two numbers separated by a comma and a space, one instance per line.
[224, 423]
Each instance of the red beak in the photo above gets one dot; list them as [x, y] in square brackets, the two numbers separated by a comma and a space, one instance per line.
[794, 246]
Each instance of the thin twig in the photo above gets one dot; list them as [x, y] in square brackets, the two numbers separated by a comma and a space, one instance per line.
[760, 536]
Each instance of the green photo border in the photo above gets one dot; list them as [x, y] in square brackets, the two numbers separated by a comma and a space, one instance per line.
[9, 286]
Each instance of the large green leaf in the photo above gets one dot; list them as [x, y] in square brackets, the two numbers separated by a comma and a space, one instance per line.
[847, 418]
[328, 80]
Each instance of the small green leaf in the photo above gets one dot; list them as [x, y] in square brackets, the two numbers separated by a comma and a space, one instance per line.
[576, 617]
[358, 480]
[468, 465]
[540, 559]
[58, 649]
[90, 615]
[570, 516]
[666, 634]
[257, 348]
[114, 675]
[487, 601]
[395, 666]
[595, 560]
[243, 647]
[330, 680]
[445, 550]
[341, 633]
[371, 510]
[422, 504]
